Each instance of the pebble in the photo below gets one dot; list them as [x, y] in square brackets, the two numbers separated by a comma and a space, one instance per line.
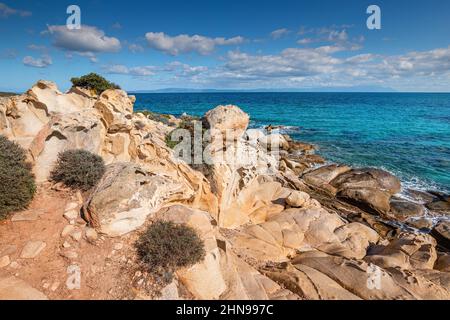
[118, 246]
[4, 261]
[91, 234]
[71, 215]
[54, 286]
[76, 236]
[14, 265]
[71, 255]
[67, 230]
[66, 244]
[71, 206]
[32, 249]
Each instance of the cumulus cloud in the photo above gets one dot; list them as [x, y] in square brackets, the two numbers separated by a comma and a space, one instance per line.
[175, 68]
[43, 62]
[185, 43]
[279, 33]
[86, 39]
[6, 11]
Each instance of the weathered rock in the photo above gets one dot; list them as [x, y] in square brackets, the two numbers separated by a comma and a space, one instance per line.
[227, 120]
[116, 109]
[298, 199]
[4, 261]
[32, 249]
[12, 288]
[321, 177]
[368, 188]
[91, 235]
[441, 206]
[67, 230]
[127, 195]
[408, 251]
[442, 234]
[443, 263]
[204, 279]
[403, 209]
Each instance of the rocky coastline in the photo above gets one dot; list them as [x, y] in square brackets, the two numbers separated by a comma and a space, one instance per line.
[305, 230]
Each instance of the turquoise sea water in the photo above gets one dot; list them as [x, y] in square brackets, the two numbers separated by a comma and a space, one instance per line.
[405, 133]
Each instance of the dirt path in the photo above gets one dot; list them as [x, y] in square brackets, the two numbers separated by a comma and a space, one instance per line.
[54, 254]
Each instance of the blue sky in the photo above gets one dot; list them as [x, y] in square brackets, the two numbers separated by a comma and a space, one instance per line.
[145, 45]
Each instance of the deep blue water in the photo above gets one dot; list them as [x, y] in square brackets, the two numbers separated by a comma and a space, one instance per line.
[405, 133]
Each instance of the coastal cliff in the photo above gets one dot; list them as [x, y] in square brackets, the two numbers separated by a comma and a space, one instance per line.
[284, 225]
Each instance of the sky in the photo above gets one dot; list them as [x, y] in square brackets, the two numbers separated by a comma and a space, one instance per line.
[277, 45]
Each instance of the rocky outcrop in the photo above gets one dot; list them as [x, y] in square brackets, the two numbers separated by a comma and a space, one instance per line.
[274, 225]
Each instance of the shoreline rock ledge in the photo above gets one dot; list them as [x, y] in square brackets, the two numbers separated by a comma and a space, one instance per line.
[282, 226]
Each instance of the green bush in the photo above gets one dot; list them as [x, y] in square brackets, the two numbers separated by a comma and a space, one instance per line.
[168, 246]
[17, 185]
[95, 82]
[78, 169]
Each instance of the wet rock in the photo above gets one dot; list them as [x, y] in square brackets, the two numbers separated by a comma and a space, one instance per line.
[423, 224]
[403, 209]
[32, 249]
[441, 206]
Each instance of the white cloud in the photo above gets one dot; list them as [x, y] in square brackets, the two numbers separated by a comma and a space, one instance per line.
[184, 43]
[135, 48]
[43, 62]
[135, 71]
[277, 34]
[6, 11]
[36, 47]
[86, 39]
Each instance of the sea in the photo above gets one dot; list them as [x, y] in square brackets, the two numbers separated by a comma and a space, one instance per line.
[407, 134]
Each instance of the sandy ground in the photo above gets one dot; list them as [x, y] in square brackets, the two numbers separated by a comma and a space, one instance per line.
[107, 266]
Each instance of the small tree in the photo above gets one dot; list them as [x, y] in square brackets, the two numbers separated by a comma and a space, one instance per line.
[78, 169]
[17, 185]
[95, 82]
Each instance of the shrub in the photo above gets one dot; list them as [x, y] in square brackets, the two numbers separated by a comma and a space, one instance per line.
[168, 246]
[95, 82]
[17, 185]
[78, 169]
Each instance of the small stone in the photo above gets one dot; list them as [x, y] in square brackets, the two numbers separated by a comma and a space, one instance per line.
[76, 235]
[71, 255]
[54, 286]
[32, 249]
[46, 285]
[71, 206]
[71, 215]
[66, 244]
[91, 235]
[118, 246]
[67, 230]
[14, 265]
[8, 250]
[4, 261]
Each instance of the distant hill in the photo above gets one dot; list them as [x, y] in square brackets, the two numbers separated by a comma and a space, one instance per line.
[7, 94]
[328, 89]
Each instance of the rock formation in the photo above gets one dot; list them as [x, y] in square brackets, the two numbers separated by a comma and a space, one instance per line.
[275, 224]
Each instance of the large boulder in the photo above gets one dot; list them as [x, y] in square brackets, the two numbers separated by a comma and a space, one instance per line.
[293, 230]
[320, 178]
[371, 189]
[127, 195]
[403, 209]
[230, 121]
